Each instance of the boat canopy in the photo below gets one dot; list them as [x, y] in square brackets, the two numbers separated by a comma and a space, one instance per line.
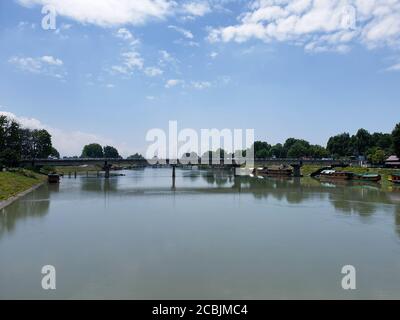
[328, 172]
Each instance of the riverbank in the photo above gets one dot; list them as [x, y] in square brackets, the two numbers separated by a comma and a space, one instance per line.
[14, 184]
[384, 172]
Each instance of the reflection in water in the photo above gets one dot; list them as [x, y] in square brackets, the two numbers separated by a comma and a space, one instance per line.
[33, 205]
[204, 234]
[345, 197]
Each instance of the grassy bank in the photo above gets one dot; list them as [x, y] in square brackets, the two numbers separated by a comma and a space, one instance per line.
[15, 182]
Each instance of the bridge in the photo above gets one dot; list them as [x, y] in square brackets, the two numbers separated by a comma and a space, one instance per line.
[106, 163]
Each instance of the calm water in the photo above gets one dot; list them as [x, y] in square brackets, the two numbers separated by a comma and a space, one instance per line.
[211, 236]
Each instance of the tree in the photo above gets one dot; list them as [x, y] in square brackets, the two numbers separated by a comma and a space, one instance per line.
[110, 152]
[298, 149]
[136, 156]
[278, 151]
[339, 145]
[10, 142]
[396, 140]
[54, 153]
[318, 152]
[362, 142]
[93, 150]
[383, 141]
[262, 150]
[376, 155]
[289, 143]
[42, 145]
[35, 144]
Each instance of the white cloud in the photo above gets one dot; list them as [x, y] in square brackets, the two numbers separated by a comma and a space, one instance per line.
[186, 33]
[166, 56]
[200, 85]
[131, 61]
[213, 55]
[47, 65]
[69, 143]
[173, 83]
[52, 61]
[197, 8]
[318, 25]
[22, 25]
[153, 71]
[107, 13]
[124, 33]
[151, 98]
[395, 67]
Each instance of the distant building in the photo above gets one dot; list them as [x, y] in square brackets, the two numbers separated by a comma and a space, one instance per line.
[392, 162]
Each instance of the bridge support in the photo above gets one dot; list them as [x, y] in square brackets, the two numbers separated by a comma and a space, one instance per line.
[107, 168]
[296, 170]
[173, 171]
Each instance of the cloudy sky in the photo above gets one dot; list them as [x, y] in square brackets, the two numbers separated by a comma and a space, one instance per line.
[114, 69]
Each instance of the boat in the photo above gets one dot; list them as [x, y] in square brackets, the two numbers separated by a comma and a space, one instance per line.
[53, 178]
[275, 171]
[371, 177]
[395, 178]
[335, 175]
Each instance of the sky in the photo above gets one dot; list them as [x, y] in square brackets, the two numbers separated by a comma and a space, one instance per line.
[111, 70]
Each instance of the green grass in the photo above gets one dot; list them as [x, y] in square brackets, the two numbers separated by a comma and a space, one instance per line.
[17, 181]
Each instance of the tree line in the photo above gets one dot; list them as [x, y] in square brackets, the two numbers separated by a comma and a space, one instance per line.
[375, 147]
[18, 143]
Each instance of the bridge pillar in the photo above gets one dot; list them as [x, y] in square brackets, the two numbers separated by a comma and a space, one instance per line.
[173, 171]
[296, 170]
[107, 168]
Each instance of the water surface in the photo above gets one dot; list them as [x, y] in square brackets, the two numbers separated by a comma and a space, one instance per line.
[209, 236]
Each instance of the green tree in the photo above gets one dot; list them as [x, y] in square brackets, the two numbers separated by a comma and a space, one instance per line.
[93, 150]
[54, 153]
[362, 142]
[289, 143]
[278, 151]
[10, 142]
[136, 156]
[262, 150]
[376, 155]
[318, 152]
[110, 152]
[35, 144]
[42, 146]
[383, 141]
[339, 145]
[396, 140]
[299, 149]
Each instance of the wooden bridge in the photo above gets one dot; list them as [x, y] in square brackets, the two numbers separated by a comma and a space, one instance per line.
[106, 163]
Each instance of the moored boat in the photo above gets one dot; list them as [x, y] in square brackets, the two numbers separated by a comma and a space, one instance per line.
[395, 178]
[335, 175]
[53, 178]
[275, 171]
[371, 177]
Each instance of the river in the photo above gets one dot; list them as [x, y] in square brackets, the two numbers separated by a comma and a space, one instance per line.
[209, 236]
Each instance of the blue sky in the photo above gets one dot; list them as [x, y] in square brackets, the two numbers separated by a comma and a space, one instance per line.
[114, 69]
